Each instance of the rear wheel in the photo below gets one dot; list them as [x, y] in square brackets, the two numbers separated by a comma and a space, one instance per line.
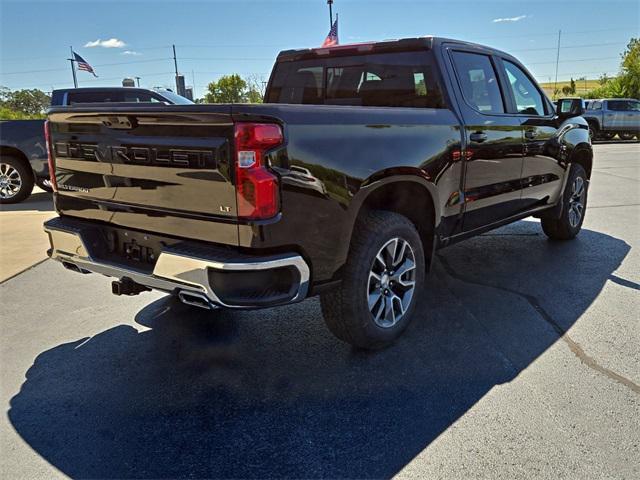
[16, 180]
[573, 209]
[626, 135]
[383, 274]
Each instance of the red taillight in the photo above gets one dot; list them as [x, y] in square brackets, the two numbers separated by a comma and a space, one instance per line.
[52, 167]
[256, 186]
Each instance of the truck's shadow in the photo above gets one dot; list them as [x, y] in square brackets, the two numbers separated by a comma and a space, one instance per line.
[272, 394]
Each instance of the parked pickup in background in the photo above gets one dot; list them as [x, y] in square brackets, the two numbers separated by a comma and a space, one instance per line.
[23, 153]
[610, 116]
[362, 162]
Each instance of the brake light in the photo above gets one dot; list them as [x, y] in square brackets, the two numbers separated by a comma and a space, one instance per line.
[256, 186]
[50, 162]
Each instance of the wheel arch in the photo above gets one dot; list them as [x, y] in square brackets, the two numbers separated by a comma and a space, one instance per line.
[593, 121]
[583, 156]
[410, 195]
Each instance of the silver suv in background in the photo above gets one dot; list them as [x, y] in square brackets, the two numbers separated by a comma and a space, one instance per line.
[610, 116]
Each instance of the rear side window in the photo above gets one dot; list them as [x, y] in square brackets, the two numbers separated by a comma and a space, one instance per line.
[384, 80]
[624, 105]
[93, 97]
[478, 82]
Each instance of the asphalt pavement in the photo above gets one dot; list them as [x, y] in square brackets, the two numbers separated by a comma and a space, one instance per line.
[523, 362]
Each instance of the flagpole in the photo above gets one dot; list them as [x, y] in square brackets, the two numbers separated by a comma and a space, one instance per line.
[330, 3]
[73, 69]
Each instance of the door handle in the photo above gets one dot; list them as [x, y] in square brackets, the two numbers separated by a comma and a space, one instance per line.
[530, 134]
[478, 137]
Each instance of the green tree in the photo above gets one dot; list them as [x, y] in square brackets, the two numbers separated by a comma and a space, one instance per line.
[228, 89]
[627, 83]
[234, 89]
[630, 69]
[29, 103]
[604, 78]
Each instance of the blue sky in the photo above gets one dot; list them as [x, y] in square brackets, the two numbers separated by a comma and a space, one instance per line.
[217, 37]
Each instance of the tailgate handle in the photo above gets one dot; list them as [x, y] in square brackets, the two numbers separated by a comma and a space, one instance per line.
[119, 122]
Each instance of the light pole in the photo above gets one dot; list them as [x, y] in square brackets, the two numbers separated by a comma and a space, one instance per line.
[137, 81]
[330, 3]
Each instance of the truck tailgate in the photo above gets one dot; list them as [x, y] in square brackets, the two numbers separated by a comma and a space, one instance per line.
[162, 170]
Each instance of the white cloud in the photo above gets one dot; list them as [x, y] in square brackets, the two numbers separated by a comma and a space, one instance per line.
[131, 52]
[111, 43]
[509, 19]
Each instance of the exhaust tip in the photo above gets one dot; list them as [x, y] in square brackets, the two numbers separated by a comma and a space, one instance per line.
[195, 299]
[74, 268]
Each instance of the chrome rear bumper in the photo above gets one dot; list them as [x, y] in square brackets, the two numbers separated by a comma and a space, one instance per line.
[176, 269]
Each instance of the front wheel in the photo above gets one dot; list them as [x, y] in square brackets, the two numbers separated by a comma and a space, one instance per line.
[574, 204]
[383, 274]
[608, 135]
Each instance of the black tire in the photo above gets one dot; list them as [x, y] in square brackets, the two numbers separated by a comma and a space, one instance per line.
[568, 226]
[14, 170]
[44, 184]
[594, 132]
[626, 135]
[346, 310]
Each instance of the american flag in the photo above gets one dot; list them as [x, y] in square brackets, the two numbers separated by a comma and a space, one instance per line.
[82, 64]
[332, 38]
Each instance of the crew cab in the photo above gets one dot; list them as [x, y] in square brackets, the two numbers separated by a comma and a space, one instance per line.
[363, 161]
[23, 154]
[610, 116]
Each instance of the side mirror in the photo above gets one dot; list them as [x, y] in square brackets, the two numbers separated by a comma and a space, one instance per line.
[569, 107]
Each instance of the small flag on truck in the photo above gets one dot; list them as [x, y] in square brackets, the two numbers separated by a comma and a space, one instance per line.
[332, 38]
[83, 65]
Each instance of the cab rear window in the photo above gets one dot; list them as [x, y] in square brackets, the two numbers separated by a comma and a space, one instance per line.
[384, 80]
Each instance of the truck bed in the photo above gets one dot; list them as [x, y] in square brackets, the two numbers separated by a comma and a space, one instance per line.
[169, 169]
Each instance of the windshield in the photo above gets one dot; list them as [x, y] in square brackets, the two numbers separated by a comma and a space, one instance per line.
[174, 97]
[384, 80]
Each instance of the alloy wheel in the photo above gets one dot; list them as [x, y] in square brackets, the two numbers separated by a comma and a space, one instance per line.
[392, 281]
[10, 181]
[577, 201]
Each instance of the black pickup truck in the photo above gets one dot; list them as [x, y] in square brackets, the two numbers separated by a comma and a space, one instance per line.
[23, 153]
[364, 160]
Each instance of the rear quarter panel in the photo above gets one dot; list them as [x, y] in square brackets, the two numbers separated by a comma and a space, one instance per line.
[27, 136]
[348, 152]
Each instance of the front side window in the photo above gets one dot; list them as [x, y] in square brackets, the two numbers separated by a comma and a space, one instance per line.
[527, 97]
[595, 105]
[379, 80]
[478, 82]
[138, 97]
